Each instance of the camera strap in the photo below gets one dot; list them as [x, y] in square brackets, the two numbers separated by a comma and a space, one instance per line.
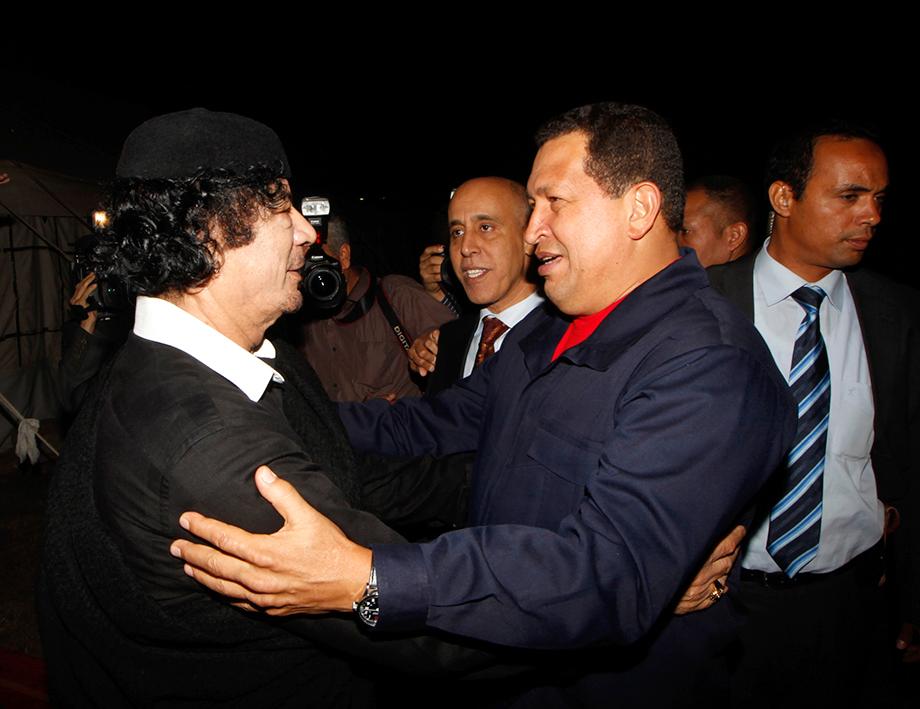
[405, 339]
[363, 305]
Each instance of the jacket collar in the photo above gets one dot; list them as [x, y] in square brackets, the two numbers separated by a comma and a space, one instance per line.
[635, 316]
[160, 321]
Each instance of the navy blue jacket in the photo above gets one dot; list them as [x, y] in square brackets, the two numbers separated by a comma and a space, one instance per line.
[602, 479]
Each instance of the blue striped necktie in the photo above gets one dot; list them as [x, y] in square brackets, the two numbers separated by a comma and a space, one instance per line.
[795, 521]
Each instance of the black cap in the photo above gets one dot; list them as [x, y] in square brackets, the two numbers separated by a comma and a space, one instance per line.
[182, 144]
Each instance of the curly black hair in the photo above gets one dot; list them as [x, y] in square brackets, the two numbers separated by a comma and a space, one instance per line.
[161, 232]
[626, 144]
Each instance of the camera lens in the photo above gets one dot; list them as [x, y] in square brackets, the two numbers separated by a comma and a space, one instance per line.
[323, 284]
[323, 281]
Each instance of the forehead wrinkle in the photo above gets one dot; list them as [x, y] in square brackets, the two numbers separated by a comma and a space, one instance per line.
[477, 218]
[856, 187]
[485, 218]
[541, 190]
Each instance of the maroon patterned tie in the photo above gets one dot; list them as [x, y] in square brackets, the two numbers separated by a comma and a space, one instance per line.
[492, 329]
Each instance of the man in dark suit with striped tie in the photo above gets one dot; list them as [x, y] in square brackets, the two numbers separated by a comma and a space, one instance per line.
[813, 562]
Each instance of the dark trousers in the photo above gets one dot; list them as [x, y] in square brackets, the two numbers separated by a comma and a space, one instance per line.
[812, 644]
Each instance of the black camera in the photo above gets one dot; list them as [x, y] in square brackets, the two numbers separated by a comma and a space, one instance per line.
[111, 299]
[448, 277]
[323, 283]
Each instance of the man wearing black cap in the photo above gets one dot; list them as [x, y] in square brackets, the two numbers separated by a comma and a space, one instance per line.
[203, 228]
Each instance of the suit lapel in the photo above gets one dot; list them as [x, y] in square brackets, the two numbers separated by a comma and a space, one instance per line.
[878, 324]
[736, 282]
[452, 344]
[463, 335]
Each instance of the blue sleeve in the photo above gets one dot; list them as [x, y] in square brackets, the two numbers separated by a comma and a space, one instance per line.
[690, 443]
[440, 425]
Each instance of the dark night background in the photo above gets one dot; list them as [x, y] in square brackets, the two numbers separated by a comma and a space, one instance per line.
[389, 139]
[388, 126]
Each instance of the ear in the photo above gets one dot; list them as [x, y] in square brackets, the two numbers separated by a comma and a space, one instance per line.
[736, 236]
[781, 197]
[345, 256]
[643, 202]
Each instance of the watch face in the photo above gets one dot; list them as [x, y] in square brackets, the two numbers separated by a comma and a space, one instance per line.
[369, 610]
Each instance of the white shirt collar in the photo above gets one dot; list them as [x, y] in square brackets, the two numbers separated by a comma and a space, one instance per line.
[513, 314]
[160, 321]
[777, 282]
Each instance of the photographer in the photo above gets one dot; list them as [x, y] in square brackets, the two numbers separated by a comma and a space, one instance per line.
[91, 335]
[360, 352]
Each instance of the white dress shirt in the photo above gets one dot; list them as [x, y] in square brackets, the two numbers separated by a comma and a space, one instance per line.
[511, 316]
[160, 321]
[853, 517]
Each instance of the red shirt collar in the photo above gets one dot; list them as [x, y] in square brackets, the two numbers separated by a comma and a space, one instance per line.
[582, 327]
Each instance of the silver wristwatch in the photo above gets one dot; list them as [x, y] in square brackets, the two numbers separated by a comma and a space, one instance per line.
[368, 608]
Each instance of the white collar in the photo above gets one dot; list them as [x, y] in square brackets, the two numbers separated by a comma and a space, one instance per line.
[160, 321]
[777, 282]
[513, 314]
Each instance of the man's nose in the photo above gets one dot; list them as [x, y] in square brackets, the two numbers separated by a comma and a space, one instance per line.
[304, 233]
[873, 212]
[469, 244]
[535, 227]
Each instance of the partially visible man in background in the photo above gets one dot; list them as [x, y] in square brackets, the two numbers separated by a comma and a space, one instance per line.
[718, 219]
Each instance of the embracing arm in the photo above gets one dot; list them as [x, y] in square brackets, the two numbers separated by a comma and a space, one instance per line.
[672, 478]
[663, 493]
[440, 425]
[228, 493]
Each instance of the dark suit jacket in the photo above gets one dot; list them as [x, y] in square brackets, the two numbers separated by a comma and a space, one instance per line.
[891, 337]
[603, 481]
[452, 346]
[122, 624]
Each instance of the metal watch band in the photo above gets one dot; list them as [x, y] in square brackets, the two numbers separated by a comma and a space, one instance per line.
[368, 608]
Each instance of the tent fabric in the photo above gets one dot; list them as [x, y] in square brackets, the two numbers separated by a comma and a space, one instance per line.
[35, 285]
[36, 282]
[27, 192]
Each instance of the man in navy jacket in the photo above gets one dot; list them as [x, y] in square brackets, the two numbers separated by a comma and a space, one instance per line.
[597, 492]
